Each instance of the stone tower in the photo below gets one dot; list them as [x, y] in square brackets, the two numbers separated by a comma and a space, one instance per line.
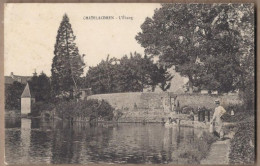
[26, 100]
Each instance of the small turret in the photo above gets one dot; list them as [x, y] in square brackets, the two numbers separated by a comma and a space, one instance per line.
[26, 100]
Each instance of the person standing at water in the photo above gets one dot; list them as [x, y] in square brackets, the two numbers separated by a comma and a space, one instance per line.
[216, 119]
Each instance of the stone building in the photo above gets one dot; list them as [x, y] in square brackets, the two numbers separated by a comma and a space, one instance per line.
[22, 79]
[26, 100]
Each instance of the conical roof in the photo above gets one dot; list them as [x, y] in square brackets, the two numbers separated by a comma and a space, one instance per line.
[26, 92]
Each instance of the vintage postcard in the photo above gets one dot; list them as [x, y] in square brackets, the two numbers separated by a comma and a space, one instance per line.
[137, 83]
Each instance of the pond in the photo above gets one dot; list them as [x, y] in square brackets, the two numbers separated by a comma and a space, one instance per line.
[32, 141]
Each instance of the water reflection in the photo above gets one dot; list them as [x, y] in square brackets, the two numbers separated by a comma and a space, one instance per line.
[37, 141]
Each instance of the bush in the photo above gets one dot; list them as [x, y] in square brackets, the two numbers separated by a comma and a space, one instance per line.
[240, 113]
[38, 107]
[242, 149]
[247, 94]
[91, 108]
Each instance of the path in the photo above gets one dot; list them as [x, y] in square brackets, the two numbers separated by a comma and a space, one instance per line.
[219, 152]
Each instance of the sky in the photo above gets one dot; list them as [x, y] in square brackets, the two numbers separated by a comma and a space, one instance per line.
[30, 32]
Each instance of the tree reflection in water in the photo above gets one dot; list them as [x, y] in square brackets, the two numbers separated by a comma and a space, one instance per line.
[59, 142]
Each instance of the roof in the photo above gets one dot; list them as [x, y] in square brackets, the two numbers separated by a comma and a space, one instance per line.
[26, 92]
[21, 79]
[9, 80]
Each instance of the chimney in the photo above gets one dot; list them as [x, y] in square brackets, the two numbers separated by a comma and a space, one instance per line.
[34, 74]
[12, 74]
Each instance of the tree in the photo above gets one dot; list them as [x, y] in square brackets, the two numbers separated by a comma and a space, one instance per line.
[13, 94]
[102, 78]
[201, 40]
[128, 74]
[41, 88]
[164, 79]
[67, 65]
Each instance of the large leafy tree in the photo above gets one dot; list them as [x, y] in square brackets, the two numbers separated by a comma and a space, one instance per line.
[132, 73]
[67, 65]
[102, 78]
[201, 40]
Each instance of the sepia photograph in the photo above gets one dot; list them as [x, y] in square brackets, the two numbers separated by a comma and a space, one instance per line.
[129, 83]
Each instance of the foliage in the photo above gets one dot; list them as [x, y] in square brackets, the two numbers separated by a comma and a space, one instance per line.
[13, 94]
[136, 73]
[91, 108]
[247, 94]
[164, 77]
[194, 148]
[243, 147]
[38, 107]
[202, 41]
[67, 64]
[101, 78]
[128, 74]
[40, 87]
[240, 113]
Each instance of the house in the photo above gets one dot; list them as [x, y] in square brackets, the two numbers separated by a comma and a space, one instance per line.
[22, 79]
[27, 99]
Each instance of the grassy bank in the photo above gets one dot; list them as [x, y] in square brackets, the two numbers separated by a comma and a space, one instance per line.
[243, 143]
[194, 149]
[242, 150]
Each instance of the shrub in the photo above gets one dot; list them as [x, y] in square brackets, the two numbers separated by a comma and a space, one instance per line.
[105, 110]
[91, 108]
[240, 113]
[38, 107]
[242, 149]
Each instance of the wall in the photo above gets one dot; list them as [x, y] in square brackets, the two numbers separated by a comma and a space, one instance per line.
[153, 106]
[25, 105]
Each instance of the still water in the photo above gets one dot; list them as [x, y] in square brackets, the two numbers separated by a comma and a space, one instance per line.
[35, 141]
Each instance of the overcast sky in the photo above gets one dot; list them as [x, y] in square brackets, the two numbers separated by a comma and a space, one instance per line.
[31, 29]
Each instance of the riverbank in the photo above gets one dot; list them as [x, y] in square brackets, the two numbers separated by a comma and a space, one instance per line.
[219, 152]
[238, 147]
[193, 153]
[243, 149]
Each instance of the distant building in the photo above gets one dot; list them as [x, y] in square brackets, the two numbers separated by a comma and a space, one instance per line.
[85, 93]
[27, 99]
[22, 79]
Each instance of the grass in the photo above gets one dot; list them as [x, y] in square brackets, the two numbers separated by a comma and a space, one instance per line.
[194, 149]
